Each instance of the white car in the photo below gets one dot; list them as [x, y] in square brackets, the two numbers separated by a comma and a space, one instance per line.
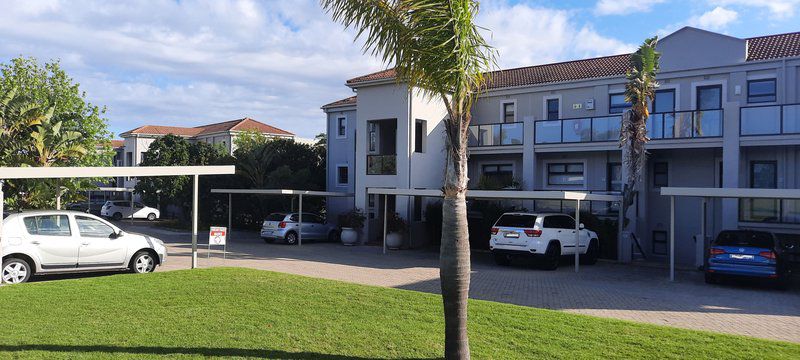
[43, 242]
[122, 209]
[543, 236]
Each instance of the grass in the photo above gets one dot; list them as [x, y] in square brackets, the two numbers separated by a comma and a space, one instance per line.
[226, 312]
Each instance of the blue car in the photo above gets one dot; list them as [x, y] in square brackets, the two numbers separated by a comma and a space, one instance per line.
[747, 253]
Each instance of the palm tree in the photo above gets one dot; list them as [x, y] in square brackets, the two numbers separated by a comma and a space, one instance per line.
[435, 48]
[639, 91]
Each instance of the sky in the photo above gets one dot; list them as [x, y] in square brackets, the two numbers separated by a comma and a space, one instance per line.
[190, 63]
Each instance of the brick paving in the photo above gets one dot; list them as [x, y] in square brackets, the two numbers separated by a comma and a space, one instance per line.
[635, 293]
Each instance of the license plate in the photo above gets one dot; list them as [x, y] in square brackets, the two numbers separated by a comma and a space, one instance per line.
[741, 257]
[511, 235]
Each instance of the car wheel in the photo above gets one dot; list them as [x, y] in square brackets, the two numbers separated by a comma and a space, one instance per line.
[117, 216]
[142, 262]
[711, 278]
[551, 256]
[16, 271]
[291, 238]
[590, 258]
[151, 217]
[502, 260]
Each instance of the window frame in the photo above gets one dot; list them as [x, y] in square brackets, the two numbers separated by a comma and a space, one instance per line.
[698, 91]
[674, 99]
[338, 174]
[774, 164]
[657, 185]
[566, 165]
[341, 123]
[79, 217]
[503, 112]
[549, 112]
[28, 231]
[420, 135]
[774, 90]
[612, 108]
[609, 180]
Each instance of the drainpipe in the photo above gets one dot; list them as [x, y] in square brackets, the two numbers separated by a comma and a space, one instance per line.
[411, 131]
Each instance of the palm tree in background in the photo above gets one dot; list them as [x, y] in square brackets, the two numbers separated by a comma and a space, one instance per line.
[436, 50]
[640, 92]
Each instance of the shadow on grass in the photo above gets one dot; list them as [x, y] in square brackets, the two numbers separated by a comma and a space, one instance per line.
[200, 351]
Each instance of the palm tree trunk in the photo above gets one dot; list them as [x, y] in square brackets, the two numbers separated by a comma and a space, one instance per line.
[454, 258]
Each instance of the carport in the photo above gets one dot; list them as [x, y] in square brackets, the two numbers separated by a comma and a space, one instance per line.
[507, 195]
[280, 192]
[708, 193]
[9, 173]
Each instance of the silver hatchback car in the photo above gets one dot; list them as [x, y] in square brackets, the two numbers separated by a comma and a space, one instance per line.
[283, 226]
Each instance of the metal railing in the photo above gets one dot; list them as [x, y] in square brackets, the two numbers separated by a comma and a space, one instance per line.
[499, 134]
[685, 124]
[577, 130]
[769, 119]
[381, 164]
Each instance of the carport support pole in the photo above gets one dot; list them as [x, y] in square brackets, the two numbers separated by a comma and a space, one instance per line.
[132, 209]
[2, 241]
[194, 220]
[300, 218]
[385, 216]
[230, 221]
[672, 238]
[577, 234]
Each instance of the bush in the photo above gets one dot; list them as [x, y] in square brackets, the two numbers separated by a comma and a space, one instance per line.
[352, 219]
[396, 224]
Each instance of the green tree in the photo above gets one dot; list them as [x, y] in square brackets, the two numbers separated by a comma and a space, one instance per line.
[639, 91]
[434, 46]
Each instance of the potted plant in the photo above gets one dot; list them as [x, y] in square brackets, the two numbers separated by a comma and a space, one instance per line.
[350, 222]
[396, 227]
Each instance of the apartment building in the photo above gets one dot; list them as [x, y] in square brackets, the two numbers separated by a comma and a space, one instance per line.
[726, 115]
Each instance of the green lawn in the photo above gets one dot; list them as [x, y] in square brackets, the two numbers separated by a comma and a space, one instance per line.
[248, 313]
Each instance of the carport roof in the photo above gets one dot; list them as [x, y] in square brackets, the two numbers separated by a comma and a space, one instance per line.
[731, 193]
[280, 192]
[91, 172]
[503, 194]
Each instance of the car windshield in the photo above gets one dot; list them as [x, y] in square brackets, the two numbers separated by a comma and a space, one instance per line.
[745, 238]
[516, 220]
[276, 217]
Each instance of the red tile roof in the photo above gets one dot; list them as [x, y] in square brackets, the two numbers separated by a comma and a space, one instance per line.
[117, 143]
[233, 125]
[773, 46]
[343, 102]
[759, 48]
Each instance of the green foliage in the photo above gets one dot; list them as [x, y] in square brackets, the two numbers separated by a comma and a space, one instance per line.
[45, 120]
[249, 139]
[396, 224]
[353, 219]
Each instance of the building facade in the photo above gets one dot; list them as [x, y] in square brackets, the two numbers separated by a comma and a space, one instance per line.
[726, 114]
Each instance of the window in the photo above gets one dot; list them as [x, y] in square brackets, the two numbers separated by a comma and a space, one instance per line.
[48, 225]
[509, 112]
[709, 97]
[763, 174]
[341, 127]
[417, 208]
[91, 227]
[498, 176]
[565, 174]
[128, 158]
[659, 242]
[614, 177]
[420, 133]
[342, 175]
[660, 174]
[552, 109]
[664, 101]
[373, 136]
[559, 222]
[371, 205]
[617, 103]
[759, 91]
[518, 220]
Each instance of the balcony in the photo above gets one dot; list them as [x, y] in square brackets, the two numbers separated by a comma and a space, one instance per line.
[591, 129]
[381, 164]
[685, 124]
[502, 134]
[769, 120]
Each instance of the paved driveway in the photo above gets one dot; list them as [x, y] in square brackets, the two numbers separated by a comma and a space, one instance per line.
[635, 293]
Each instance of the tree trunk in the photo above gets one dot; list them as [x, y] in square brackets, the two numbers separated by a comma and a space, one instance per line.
[454, 258]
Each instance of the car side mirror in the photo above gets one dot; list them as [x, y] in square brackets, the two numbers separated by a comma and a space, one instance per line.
[581, 226]
[116, 235]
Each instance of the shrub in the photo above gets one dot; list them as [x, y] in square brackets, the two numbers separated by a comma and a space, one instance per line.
[396, 224]
[352, 219]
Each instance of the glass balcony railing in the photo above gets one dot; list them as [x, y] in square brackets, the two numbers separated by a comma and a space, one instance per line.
[685, 124]
[381, 164]
[496, 134]
[605, 128]
[769, 120]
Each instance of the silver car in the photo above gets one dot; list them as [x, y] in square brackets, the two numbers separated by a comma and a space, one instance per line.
[283, 226]
[42, 242]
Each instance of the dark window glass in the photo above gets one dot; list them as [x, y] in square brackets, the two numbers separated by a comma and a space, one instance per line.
[745, 238]
[501, 175]
[763, 174]
[419, 135]
[343, 175]
[552, 109]
[48, 225]
[761, 91]
[565, 174]
[373, 136]
[617, 104]
[559, 222]
[276, 217]
[660, 174]
[516, 220]
[709, 97]
[342, 124]
[417, 208]
[614, 182]
[508, 112]
[664, 101]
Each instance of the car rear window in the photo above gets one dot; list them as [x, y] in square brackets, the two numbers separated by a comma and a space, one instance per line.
[122, 204]
[516, 220]
[276, 217]
[745, 238]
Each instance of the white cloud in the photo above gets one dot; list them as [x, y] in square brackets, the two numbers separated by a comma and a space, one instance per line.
[622, 7]
[778, 8]
[525, 35]
[715, 19]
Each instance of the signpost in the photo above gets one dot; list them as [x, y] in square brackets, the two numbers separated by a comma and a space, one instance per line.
[217, 236]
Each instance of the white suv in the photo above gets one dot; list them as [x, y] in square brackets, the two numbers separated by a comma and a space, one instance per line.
[543, 236]
[122, 209]
[40, 242]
